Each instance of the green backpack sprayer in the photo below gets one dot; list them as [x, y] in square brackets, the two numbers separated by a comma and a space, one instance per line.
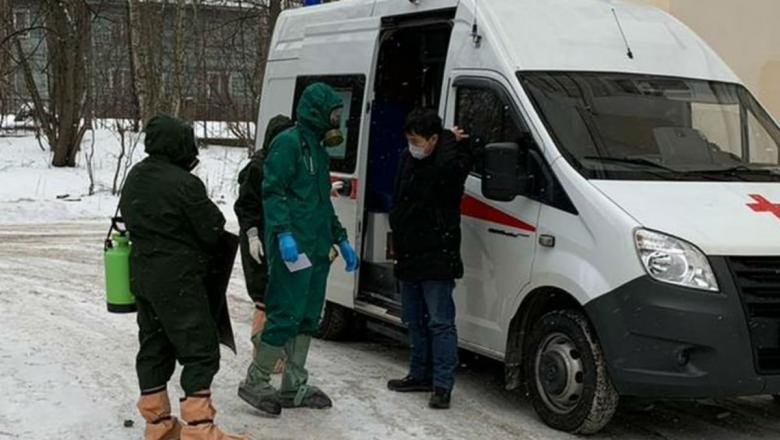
[116, 255]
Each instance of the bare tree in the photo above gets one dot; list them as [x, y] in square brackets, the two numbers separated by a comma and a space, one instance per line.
[89, 160]
[41, 114]
[245, 41]
[6, 72]
[121, 132]
[67, 38]
[198, 59]
[266, 31]
[128, 143]
[179, 57]
[139, 52]
[159, 71]
[68, 45]
[248, 62]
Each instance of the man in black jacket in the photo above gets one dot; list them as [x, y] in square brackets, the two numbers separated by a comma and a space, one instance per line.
[425, 220]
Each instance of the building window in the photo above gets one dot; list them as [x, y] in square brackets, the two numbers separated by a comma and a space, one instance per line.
[22, 21]
[238, 85]
[119, 32]
[119, 80]
[216, 85]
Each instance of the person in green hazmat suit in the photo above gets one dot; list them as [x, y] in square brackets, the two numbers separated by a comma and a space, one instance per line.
[299, 220]
[173, 227]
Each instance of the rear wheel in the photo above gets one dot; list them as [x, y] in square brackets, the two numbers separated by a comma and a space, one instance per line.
[566, 374]
[336, 322]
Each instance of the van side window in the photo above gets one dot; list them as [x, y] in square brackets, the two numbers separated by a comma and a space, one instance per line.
[351, 88]
[487, 117]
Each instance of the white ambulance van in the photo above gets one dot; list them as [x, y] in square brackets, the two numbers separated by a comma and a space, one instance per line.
[621, 229]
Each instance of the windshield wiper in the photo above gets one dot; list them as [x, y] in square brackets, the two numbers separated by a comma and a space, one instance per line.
[648, 163]
[633, 161]
[741, 172]
[742, 169]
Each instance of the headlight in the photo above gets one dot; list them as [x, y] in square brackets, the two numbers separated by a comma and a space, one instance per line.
[671, 260]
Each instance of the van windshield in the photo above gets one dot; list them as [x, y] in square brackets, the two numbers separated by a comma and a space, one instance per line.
[638, 127]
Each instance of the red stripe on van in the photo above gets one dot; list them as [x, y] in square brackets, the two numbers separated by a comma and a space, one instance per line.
[475, 208]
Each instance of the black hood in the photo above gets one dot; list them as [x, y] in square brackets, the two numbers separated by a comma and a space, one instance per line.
[171, 139]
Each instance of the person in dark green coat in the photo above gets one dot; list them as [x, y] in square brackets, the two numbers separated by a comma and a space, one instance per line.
[173, 227]
[299, 219]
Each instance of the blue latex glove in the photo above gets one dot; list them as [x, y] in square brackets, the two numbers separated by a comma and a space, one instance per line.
[288, 247]
[349, 255]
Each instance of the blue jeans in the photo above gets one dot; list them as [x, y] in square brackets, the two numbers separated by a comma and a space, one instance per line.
[429, 313]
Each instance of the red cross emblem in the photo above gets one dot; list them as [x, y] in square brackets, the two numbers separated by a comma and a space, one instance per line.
[763, 205]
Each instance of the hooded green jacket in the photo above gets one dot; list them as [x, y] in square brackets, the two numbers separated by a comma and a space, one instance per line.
[172, 223]
[296, 185]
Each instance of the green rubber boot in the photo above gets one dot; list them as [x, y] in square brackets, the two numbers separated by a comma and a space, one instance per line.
[295, 392]
[256, 389]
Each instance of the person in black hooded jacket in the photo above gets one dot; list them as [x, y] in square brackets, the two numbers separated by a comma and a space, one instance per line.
[425, 220]
[173, 228]
[251, 219]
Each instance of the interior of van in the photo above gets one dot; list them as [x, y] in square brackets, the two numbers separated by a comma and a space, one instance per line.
[409, 74]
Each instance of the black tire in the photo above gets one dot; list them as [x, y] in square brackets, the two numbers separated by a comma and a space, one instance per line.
[777, 398]
[336, 322]
[582, 399]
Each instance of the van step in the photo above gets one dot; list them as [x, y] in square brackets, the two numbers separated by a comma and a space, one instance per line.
[392, 306]
[387, 330]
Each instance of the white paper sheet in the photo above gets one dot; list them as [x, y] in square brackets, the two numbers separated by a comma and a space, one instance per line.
[302, 263]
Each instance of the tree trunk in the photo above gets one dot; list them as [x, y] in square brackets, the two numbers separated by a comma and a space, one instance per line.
[264, 48]
[265, 30]
[41, 113]
[154, 20]
[179, 56]
[67, 43]
[140, 56]
[137, 117]
[5, 58]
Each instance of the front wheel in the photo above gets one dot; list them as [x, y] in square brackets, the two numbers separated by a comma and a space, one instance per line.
[566, 374]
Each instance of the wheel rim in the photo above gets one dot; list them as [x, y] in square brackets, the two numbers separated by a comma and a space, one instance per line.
[559, 373]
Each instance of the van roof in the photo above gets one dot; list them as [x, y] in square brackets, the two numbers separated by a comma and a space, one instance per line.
[554, 35]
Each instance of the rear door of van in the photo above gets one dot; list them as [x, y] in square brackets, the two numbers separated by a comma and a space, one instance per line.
[342, 54]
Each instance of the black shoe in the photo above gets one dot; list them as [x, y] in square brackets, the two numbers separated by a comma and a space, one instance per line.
[440, 399]
[410, 385]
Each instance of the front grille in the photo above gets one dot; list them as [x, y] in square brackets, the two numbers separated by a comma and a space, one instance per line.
[758, 281]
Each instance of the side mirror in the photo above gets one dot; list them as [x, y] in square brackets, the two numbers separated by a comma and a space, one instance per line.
[505, 176]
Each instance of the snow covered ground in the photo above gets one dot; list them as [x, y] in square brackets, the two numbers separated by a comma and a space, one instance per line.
[66, 370]
[66, 365]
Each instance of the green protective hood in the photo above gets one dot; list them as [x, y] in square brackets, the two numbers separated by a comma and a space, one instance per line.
[172, 139]
[314, 108]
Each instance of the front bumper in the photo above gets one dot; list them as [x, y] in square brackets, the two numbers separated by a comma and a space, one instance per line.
[666, 341]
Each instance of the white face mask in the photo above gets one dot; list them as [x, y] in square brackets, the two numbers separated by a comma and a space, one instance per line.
[417, 152]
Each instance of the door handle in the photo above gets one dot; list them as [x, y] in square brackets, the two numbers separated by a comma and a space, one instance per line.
[507, 233]
[344, 188]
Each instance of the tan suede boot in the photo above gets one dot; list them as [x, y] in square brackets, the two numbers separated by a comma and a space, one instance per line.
[258, 323]
[199, 414]
[156, 410]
